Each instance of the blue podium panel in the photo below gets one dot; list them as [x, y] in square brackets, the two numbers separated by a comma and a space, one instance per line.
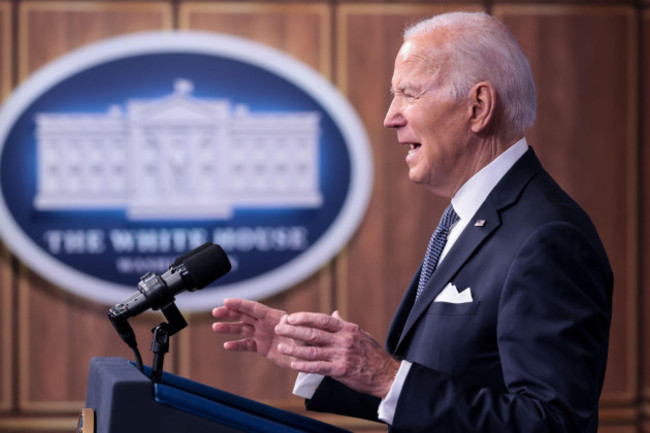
[125, 401]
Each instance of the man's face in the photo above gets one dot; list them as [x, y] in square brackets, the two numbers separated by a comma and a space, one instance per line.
[433, 126]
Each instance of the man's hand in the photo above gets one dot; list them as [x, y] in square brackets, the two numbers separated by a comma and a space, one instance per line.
[339, 349]
[256, 323]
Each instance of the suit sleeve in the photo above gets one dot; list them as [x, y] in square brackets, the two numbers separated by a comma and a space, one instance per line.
[552, 333]
[334, 397]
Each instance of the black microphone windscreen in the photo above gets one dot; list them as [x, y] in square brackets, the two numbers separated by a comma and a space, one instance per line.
[207, 265]
[180, 259]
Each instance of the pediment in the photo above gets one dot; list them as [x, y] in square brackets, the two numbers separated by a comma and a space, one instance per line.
[178, 108]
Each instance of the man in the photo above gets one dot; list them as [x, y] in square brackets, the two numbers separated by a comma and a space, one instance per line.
[508, 330]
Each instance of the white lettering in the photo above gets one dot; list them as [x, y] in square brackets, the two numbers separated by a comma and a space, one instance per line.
[262, 238]
[176, 241]
[142, 265]
[152, 241]
[75, 241]
[122, 241]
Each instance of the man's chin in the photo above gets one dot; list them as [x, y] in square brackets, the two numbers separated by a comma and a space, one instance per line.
[415, 177]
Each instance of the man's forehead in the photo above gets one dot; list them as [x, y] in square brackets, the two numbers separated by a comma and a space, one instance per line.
[413, 64]
[407, 48]
[423, 51]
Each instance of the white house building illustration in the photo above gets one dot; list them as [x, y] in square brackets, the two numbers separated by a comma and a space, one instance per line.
[177, 157]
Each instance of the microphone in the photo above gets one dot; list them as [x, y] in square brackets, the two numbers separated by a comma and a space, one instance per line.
[191, 271]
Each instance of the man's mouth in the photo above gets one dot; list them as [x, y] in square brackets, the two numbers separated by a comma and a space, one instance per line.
[413, 147]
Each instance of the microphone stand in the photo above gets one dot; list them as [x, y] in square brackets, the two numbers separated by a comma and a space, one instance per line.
[160, 338]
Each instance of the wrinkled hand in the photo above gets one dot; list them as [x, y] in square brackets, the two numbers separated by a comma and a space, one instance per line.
[256, 323]
[339, 349]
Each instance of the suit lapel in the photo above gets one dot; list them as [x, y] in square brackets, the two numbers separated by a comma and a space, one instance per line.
[472, 237]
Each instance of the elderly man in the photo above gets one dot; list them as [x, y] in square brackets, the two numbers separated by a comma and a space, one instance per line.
[505, 326]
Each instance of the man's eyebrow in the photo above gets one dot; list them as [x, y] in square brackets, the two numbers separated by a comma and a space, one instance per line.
[399, 89]
[405, 89]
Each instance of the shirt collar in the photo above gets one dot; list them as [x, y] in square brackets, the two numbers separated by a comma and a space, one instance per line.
[473, 193]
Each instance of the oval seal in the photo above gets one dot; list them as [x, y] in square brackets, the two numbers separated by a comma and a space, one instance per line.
[122, 155]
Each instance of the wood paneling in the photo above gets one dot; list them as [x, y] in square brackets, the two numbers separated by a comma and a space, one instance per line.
[6, 324]
[645, 217]
[302, 30]
[584, 61]
[616, 429]
[36, 425]
[564, 3]
[73, 24]
[6, 278]
[6, 42]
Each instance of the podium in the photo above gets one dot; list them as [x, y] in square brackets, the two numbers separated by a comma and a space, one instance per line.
[125, 400]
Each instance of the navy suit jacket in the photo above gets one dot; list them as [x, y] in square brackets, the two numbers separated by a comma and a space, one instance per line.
[528, 354]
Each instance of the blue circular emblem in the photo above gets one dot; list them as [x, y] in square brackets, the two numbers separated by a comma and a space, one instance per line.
[122, 155]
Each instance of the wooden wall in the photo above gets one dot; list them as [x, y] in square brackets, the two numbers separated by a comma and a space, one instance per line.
[591, 62]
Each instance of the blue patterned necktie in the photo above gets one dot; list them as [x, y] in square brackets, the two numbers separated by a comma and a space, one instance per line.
[436, 245]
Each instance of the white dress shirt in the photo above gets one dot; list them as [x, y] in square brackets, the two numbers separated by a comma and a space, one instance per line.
[466, 202]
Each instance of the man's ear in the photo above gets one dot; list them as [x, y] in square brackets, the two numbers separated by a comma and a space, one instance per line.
[483, 105]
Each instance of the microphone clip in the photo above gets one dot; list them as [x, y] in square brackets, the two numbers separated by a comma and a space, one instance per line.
[160, 338]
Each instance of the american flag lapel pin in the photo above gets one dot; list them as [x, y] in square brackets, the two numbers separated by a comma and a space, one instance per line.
[479, 223]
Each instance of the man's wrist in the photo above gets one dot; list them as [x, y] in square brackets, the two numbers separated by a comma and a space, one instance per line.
[391, 372]
[388, 405]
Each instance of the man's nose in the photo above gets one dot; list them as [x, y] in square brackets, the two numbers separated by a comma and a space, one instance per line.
[393, 117]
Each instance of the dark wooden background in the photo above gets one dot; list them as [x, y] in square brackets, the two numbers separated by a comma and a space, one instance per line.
[591, 62]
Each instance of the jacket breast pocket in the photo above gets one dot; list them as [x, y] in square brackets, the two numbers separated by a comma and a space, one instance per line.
[449, 309]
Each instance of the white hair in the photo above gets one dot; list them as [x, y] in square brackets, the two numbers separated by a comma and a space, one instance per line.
[481, 48]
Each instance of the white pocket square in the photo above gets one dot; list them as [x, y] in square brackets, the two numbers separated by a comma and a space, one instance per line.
[450, 294]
